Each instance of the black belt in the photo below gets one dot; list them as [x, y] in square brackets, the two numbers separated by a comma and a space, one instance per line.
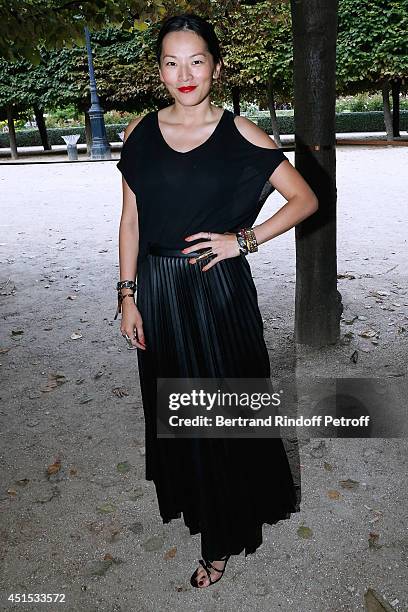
[155, 249]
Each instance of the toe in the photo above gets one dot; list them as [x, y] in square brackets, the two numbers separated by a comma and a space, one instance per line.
[202, 578]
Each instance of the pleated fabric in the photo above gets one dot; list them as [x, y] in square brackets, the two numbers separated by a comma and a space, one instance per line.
[208, 324]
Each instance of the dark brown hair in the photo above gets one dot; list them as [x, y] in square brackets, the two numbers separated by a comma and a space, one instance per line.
[192, 23]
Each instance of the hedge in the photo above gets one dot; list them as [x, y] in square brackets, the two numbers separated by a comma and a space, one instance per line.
[31, 137]
[372, 121]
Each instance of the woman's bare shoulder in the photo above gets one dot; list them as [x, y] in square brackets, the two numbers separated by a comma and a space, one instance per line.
[131, 126]
[250, 131]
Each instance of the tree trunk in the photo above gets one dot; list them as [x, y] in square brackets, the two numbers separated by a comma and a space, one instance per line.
[318, 305]
[12, 133]
[385, 90]
[272, 112]
[396, 87]
[88, 133]
[235, 100]
[39, 117]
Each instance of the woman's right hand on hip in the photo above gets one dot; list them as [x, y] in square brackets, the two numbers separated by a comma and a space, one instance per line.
[132, 324]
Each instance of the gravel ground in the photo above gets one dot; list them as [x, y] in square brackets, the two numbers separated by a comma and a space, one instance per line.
[77, 516]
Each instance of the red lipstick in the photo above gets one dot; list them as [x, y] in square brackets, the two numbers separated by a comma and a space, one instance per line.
[187, 89]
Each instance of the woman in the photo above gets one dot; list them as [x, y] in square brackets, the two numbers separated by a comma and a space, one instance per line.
[192, 177]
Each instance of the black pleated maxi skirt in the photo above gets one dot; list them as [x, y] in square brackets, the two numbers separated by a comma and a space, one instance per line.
[208, 324]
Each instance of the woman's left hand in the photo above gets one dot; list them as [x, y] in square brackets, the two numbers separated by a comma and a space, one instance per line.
[222, 245]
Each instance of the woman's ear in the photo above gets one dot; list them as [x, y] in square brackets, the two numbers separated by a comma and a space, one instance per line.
[217, 71]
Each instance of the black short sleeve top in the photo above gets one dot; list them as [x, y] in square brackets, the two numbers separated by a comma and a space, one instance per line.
[215, 187]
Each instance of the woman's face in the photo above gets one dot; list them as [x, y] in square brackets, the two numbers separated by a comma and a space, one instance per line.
[186, 62]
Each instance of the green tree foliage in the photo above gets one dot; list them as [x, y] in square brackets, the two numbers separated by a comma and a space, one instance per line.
[372, 44]
[257, 45]
[28, 25]
[49, 84]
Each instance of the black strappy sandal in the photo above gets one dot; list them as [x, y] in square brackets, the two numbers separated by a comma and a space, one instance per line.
[206, 564]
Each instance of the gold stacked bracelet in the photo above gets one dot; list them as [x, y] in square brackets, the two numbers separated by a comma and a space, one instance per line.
[247, 240]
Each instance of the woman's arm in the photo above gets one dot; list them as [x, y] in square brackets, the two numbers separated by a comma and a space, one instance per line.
[302, 201]
[128, 237]
[131, 322]
[128, 229]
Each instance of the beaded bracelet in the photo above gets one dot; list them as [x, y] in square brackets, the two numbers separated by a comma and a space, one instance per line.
[125, 284]
[242, 244]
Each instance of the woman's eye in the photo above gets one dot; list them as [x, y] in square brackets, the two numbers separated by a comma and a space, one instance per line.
[174, 63]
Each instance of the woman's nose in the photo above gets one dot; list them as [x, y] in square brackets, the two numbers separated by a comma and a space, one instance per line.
[184, 73]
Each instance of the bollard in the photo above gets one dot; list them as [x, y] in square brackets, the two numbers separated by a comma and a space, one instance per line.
[72, 149]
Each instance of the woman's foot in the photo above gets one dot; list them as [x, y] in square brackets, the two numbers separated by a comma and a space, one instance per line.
[209, 572]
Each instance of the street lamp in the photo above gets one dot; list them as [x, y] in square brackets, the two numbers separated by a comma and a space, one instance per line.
[100, 148]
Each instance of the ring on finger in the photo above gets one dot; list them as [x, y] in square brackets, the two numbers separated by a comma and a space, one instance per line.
[204, 255]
